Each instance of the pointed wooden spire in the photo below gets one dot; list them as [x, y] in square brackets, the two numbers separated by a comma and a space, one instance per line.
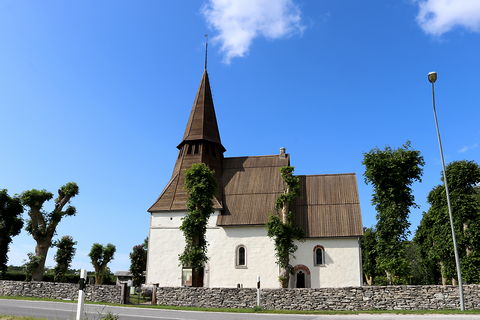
[202, 123]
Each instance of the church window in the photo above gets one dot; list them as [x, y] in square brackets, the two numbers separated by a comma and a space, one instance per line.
[319, 256]
[241, 257]
[195, 151]
[189, 150]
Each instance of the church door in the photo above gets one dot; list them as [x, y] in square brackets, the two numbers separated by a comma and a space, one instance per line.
[300, 279]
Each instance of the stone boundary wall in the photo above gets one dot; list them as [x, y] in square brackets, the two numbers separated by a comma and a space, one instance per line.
[352, 298]
[61, 291]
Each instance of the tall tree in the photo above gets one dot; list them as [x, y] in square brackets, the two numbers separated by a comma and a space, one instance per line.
[201, 187]
[369, 254]
[42, 225]
[281, 225]
[100, 257]
[63, 256]
[10, 225]
[138, 263]
[434, 233]
[392, 172]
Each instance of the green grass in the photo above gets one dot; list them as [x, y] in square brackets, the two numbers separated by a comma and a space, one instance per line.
[19, 318]
[251, 310]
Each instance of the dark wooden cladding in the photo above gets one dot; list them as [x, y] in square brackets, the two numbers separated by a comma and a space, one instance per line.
[202, 123]
[328, 206]
[251, 186]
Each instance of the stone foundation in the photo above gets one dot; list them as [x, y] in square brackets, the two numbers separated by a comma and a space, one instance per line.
[60, 291]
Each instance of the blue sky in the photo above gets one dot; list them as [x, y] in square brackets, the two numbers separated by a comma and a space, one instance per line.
[99, 93]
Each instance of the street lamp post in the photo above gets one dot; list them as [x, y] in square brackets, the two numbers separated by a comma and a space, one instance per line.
[432, 77]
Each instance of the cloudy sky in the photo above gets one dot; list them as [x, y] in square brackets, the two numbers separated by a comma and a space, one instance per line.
[99, 93]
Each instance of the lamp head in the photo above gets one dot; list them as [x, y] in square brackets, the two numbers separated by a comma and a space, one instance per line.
[432, 77]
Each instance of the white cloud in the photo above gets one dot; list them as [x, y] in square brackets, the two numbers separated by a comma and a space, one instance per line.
[437, 17]
[468, 148]
[238, 22]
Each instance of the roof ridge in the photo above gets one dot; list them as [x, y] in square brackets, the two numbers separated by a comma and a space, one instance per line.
[268, 155]
[327, 174]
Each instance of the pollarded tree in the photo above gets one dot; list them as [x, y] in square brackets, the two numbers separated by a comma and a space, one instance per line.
[43, 225]
[138, 263]
[201, 187]
[63, 256]
[392, 172]
[281, 225]
[10, 224]
[100, 257]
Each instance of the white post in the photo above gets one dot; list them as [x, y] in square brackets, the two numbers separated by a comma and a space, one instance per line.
[258, 291]
[81, 293]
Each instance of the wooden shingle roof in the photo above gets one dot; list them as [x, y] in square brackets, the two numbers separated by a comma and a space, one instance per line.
[202, 123]
[251, 186]
[328, 205]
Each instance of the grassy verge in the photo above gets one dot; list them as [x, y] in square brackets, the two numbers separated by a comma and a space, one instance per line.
[19, 318]
[251, 310]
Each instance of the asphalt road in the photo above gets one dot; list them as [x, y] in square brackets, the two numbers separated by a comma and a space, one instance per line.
[59, 310]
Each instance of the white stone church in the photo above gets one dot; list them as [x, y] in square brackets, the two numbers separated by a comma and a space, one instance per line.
[239, 250]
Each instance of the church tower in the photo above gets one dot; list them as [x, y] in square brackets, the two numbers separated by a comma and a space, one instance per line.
[200, 144]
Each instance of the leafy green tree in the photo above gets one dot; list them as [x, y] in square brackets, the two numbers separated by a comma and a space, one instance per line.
[369, 254]
[425, 239]
[42, 225]
[281, 225]
[434, 233]
[138, 263]
[100, 257]
[63, 256]
[391, 173]
[201, 187]
[10, 225]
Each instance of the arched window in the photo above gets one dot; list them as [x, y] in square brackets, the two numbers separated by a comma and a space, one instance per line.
[241, 257]
[319, 256]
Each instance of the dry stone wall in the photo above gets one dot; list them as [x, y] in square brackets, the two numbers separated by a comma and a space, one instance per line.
[353, 298]
[60, 291]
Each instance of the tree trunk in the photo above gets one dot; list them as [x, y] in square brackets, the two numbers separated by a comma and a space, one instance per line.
[284, 277]
[369, 280]
[442, 272]
[98, 277]
[389, 277]
[468, 249]
[197, 273]
[197, 277]
[41, 251]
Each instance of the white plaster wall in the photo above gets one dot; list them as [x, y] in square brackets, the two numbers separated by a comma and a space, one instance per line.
[166, 242]
[342, 262]
[260, 254]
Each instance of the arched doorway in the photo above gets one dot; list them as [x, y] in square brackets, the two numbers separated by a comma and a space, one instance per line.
[300, 277]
